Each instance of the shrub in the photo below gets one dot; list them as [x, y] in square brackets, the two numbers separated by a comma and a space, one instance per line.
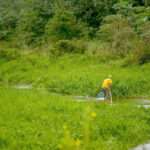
[117, 34]
[96, 48]
[64, 26]
[8, 20]
[144, 31]
[68, 46]
[143, 56]
[31, 24]
[9, 54]
[140, 55]
[93, 12]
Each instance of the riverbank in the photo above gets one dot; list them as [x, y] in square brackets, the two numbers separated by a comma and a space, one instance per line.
[75, 75]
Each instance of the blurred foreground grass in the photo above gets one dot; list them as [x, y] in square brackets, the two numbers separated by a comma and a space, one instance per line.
[38, 120]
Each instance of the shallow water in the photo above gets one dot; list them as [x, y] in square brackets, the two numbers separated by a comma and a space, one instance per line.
[23, 86]
[143, 103]
[142, 147]
[140, 102]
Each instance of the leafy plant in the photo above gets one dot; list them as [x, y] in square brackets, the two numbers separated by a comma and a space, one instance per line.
[64, 26]
[118, 34]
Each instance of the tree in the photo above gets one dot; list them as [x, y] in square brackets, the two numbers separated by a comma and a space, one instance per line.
[145, 3]
[93, 11]
[8, 17]
[118, 34]
[64, 26]
[32, 21]
[144, 32]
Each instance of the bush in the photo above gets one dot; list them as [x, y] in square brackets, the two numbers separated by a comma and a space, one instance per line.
[93, 12]
[8, 21]
[64, 26]
[9, 54]
[144, 31]
[68, 46]
[144, 56]
[31, 24]
[140, 55]
[117, 33]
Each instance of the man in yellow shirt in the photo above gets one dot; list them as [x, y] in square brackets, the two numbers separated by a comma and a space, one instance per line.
[106, 89]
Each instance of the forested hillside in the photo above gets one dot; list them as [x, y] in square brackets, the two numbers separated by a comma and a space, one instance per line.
[115, 28]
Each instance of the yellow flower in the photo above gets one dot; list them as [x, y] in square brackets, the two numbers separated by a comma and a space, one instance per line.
[93, 114]
[77, 142]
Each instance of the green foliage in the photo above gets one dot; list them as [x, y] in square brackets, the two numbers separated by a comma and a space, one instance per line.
[18, 14]
[93, 11]
[140, 2]
[144, 31]
[30, 28]
[75, 75]
[118, 34]
[140, 55]
[36, 119]
[143, 56]
[8, 18]
[68, 46]
[27, 29]
[6, 27]
[139, 16]
[64, 26]
[9, 54]
[70, 26]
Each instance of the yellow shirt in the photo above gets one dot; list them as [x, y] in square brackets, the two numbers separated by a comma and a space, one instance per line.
[107, 83]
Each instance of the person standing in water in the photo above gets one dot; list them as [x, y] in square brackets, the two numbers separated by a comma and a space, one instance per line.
[105, 93]
[106, 88]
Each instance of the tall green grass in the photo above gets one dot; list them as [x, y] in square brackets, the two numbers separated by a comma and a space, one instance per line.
[75, 74]
[38, 120]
